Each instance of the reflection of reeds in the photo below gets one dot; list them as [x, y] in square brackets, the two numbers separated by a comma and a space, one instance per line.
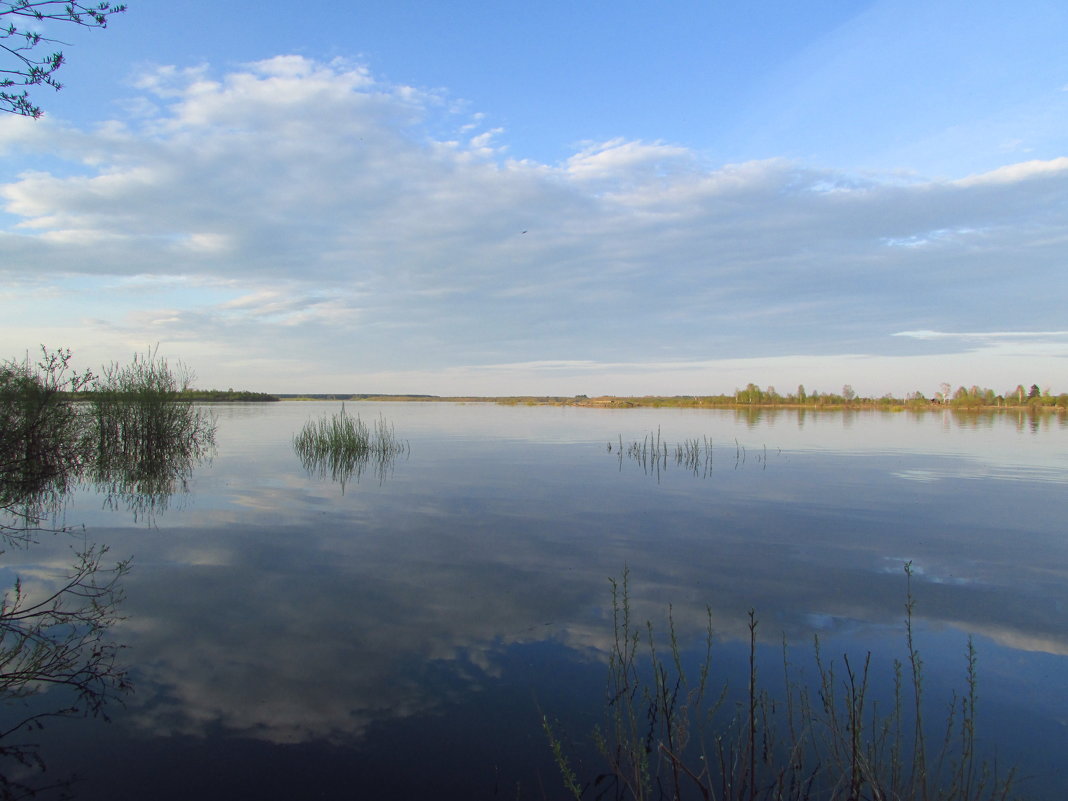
[653, 454]
[669, 735]
[342, 446]
[137, 413]
[144, 440]
[125, 431]
[41, 442]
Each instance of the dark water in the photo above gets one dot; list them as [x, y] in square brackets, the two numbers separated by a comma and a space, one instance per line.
[402, 637]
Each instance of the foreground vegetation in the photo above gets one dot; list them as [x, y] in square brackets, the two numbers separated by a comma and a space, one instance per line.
[667, 734]
[124, 431]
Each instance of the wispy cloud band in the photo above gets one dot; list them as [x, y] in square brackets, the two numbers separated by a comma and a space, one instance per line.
[983, 335]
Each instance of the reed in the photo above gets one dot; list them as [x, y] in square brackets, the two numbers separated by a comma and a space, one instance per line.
[667, 735]
[144, 438]
[42, 446]
[125, 431]
[343, 446]
[653, 453]
[137, 412]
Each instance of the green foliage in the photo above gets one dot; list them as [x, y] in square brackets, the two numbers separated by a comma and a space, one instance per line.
[570, 778]
[123, 430]
[669, 735]
[42, 437]
[135, 413]
[144, 441]
[653, 454]
[342, 446]
[752, 397]
[20, 35]
[59, 427]
[224, 396]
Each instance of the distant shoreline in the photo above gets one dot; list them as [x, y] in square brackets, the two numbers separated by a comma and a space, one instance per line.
[819, 403]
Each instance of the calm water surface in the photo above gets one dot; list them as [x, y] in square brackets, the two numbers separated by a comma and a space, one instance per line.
[400, 636]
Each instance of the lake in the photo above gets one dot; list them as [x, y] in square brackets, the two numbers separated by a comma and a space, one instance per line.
[402, 634]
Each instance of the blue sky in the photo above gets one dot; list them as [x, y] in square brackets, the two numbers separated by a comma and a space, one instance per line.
[561, 198]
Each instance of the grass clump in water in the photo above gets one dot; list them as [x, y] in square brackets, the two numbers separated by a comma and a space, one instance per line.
[343, 446]
[124, 430]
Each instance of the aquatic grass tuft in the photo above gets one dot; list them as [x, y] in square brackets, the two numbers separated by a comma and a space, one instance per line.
[125, 430]
[652, 453]
[343, 446]
[137, 412]
[145, 439]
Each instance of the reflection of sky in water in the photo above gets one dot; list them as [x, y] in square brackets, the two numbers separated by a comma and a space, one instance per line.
[270, 611]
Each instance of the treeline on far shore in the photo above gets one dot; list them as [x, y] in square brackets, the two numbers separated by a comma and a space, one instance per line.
[223, 396]
[189, 395]
[962, 398]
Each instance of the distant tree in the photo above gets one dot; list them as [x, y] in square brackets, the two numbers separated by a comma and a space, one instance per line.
[1034, 392]
[969, 398]
[801, 396]
[848, 393]
[751, 394]
[20, 37]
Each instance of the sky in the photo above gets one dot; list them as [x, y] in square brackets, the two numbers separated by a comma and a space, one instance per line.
[498, 198]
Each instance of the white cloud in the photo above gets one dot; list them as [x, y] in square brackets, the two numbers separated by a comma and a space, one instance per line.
[16, 130]
[618, 158]
[208, 242]
[1014, 173]
[312, 198]
[984, 335]
[483, 143]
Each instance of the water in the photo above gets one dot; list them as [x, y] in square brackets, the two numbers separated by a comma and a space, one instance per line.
[401, 636]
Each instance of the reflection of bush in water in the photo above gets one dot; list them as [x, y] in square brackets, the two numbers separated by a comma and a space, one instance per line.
[343, 446]
[144, 441]
[667, 734]
[42, 439]
[135, 412]
[57, 428]
[124, 431]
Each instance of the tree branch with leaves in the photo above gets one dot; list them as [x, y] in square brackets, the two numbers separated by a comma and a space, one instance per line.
[21, 34]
